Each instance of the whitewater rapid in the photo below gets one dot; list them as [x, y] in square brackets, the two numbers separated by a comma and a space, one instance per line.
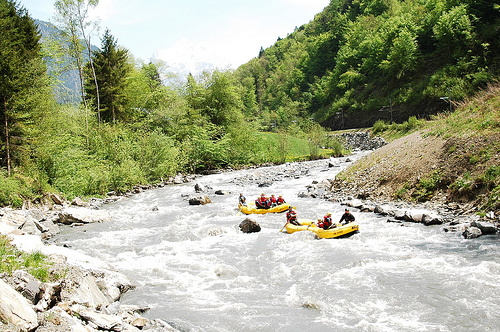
[197, 271]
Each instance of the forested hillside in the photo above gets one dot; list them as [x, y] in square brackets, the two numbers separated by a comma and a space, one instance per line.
[363, 60]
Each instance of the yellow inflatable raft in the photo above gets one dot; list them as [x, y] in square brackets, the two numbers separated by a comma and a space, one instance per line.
[337, 231]
[251, 208]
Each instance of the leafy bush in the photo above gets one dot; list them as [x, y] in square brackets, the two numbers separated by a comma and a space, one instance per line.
[13, 190]
[379, 126]
[427, 186]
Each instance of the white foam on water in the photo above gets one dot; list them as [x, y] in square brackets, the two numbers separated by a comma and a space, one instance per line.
[196, 269]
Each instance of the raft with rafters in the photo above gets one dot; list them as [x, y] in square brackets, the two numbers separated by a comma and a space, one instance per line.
[333, 232]
[252, 209]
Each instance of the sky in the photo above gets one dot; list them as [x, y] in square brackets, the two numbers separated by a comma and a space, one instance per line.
[185, 33]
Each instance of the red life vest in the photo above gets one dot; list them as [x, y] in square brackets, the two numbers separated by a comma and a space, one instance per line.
[327, 222]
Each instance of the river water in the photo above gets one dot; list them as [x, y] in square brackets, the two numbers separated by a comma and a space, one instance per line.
[197, 271]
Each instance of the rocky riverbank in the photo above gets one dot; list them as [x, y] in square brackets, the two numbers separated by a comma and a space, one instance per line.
[84, 293]
[452, 216]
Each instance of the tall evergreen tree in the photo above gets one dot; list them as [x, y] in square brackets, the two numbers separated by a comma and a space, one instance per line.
[22, 74]
[111, 70]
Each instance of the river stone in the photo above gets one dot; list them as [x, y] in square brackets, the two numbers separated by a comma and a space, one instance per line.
[114, 284]
[30, 228]
[103, 321]
[367, 208]
[356, 203]
[199, 188]
[199, 200]
[249, 226]
[76, 215]
[485, 227]
[56, 199]
[87, 292]
[58, 320]
[432, 219]
[79, 202]
[15, 309]
[382, 209]
[50, 295]
[222, 192]
[472, 233]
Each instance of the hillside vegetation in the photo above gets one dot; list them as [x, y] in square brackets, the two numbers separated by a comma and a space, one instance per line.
[453, 159]
[358, 58]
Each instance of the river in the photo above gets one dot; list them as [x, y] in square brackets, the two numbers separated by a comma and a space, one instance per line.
[197, 271]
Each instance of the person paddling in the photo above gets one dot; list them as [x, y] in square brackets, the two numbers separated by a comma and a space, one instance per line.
[347, 216]
[280, 200]
[242, 200]
[291, 217]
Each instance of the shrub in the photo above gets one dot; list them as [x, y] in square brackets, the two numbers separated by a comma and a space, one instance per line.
[379, 126]
[427, 186]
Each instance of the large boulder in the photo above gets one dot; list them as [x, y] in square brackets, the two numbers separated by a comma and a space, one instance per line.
[85, 291]
[74, 215]
[199, 200]
[102, 321]
[422, 216]
[15, 309]
[485, 227]
[249, 226]
[472, 233]
[222, 192]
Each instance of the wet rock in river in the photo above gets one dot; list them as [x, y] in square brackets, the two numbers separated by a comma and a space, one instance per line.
[485, 227]
[199, 200]
[472, 233]
[249, 226]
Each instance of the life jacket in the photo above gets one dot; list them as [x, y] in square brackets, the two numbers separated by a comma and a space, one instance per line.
[327, 222]
[273, 199]
[280, 200]
[291, 215]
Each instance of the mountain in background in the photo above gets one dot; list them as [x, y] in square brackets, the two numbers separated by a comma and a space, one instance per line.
[183, 59]
[67, 87]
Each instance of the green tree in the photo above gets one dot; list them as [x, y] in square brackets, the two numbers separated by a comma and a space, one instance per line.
[72, 19]
[23, 81]
[112, 69]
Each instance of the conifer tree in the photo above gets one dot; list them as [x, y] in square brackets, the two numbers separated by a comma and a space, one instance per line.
[111, 68]
[22, 75]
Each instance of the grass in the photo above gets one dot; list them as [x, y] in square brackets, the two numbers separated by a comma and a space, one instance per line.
[35, 263]
[297, 149]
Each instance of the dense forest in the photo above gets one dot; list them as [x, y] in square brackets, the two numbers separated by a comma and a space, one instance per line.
[133, 125]
[363, 60]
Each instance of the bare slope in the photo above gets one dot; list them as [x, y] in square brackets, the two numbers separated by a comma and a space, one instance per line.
[454, 160]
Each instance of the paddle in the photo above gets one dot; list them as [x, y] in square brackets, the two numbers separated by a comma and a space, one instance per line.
[284, 226]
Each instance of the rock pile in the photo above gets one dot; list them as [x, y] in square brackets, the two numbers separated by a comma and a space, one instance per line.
[360, 140]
